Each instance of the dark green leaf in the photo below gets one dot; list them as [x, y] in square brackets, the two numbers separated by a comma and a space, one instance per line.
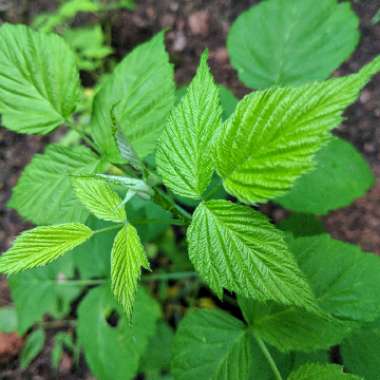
[32, 348]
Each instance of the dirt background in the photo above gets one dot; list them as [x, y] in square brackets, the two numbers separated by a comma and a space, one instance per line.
[192, 27]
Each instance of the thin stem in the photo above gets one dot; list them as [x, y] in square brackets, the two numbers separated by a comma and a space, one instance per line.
[56, 324]
[174, 205]
[82, 282]
[110, 228]
[176, 222]
[269, 358]
[83, 135]
[169, 276]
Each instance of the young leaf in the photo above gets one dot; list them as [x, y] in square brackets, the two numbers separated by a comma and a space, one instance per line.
[44, 194]
[236, 248]
[99, 198]
[113, 351]
[184, 156]
[42, 245]
[314, 371]
[128, 257]
[273, 135]
[32, 348]
[295, 41]
[212, 345]
[39, 81]
[333, 178]
[140, 93]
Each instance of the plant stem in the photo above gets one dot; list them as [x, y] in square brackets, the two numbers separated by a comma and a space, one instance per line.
[169, 276]
[110, 228]
[83, 135]
[269, 358]
[182, 212]
[176, 222]
[82, 282]
[57, 324]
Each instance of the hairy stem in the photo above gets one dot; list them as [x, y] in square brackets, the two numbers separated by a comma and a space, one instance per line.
[269, 358]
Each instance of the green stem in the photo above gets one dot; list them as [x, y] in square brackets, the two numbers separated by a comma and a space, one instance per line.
[175, 222]
[82, 282]
[110, 228]
[56, 324]
[83, 135]
[269, 358]
[169, 276]
[171, 203]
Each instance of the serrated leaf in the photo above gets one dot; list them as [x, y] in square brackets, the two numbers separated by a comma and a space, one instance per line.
[236, 248]
[212, 345]
[48, 295]
[314, 371]
[44, 194]
[113, 352]
[184, 152]
[345, 280]
[32, 348]
[42, 245]
[333, 178]
[39, 81]
[140, 93]
[128, 257]
[273, 135]
[295, 41]
[99, 198]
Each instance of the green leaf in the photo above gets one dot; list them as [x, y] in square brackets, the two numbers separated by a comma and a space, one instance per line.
[212, 345]
[40, 291]
[41, 245]
[140, 94]
[228, 101]
[8, 319]
[236, 248]
[295, 41]
[360, 352]
[300, 225]
[290, 328]
[184, 156]
[113, 352]
[273, 135]
[128, 257]
[61, 340]
[333, 178]
[39, 81]
[345, 280]
[44, 194]
[99, 198]
[32, 348]
[314, 371]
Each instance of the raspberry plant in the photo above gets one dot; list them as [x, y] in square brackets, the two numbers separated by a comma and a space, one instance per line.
[148, 162]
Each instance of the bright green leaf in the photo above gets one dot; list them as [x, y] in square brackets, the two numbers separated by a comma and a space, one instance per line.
[39, 81]
[184, 156]
[8, 319]
[99, 198]
[333, 178]
[294, 41]
[140, 94]
[128, 257]
[113, 352]
[236, 248]
[273, 135]
[32, 348]
[212, 345]
[314, 371]
[44, 194]
[42, 245]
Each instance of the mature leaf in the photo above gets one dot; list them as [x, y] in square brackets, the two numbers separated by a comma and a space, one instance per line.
[140, 94]
[345, 280]
[273, 135]
[39, 81]
[99, 198]
[113, 353]
[8, 319]
[40, 291]
[300, 225]
[128, 257]
[32, 348]
[44, 194]
[290, 328]
[360, 352]
[314, 371]
[236, 248]
[184, 156]
[42, 245]
[295, 41]
[333, 178]
[212, 345]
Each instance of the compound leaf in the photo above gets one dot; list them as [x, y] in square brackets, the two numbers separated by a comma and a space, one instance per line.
[39, 81]
[333, 178]
[210, 344]
[42, 245]
[295, 41]
[140, 94]
[236, 248]
[99, 198]
[315, 371]
[184, 151]
[128, 257]
[44, 194]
